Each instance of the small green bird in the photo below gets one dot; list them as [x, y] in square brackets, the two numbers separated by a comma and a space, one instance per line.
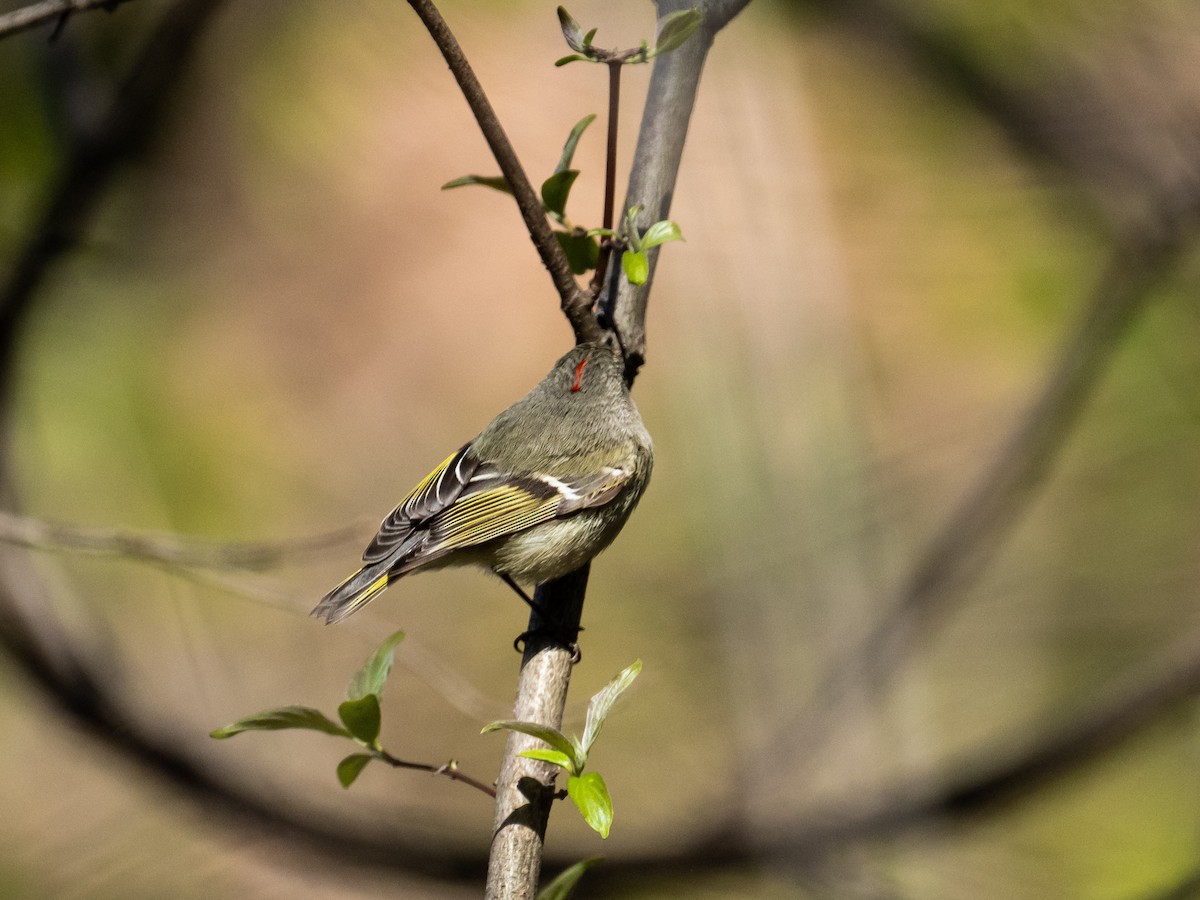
[544, 487]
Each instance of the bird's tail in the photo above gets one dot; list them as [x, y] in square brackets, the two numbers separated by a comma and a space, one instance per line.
[353, 593]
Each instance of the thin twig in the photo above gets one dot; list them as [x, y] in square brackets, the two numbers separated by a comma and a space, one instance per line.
[49, 10]
[576, 305]
[610, 175]
[449, 770]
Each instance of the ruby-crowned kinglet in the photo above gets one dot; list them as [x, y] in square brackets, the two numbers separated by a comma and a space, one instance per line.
[543, 488]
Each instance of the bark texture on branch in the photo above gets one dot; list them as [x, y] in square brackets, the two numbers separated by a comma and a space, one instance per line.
[525, 788]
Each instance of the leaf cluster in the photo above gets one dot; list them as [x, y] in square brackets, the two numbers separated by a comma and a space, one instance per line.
[587, 790]
[581, 247]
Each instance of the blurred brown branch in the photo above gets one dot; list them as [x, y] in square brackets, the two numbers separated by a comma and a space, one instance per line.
[983, 783]
[1186, 888]
[1147, 246]
[174, 550]
[132, 120]
[979, 784]
[943, 573]
[29, 633]
[37, 13]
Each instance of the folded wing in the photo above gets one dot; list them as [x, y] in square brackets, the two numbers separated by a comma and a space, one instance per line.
[463, 503]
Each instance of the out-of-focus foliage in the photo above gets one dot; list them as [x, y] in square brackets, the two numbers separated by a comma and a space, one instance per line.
[280, 323]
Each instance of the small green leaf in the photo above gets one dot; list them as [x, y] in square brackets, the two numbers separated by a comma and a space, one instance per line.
[351, 767]
[603, 700]
[555, 191]
[583, 251]
[632, 237]
[363, 718]
[574, 57]
[495, 182]
[589, 37]
[564, 883]
[281, 718]
[572, 32]
[636, 266]
[372, 676]
[589, 792]
[660, 233]
[568, 153]
[675, 28]
[551, 756]
[551, 736]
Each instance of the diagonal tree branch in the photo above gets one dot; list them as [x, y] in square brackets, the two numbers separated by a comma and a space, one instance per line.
[75, 685]
[976, 529]
[29, 633]
[576, 304]
[987, 781]
[983, 783]
[1186, 888]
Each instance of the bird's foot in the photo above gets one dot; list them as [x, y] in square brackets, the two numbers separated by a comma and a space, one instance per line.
[558, 636]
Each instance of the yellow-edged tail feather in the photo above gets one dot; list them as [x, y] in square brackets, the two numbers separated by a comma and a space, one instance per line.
[352, 594]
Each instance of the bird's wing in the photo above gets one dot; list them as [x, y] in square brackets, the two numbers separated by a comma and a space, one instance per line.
[436, 492]
[494, 504]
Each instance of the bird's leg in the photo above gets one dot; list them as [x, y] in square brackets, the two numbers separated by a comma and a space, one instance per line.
[570, 641]
[507, 579]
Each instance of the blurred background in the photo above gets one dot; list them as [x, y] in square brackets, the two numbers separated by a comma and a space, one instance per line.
[915, 583]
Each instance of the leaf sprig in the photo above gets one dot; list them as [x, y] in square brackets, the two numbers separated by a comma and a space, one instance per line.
[360, 714]
[673, 30]
[582, 249]
[635, 260]
[587, 790]
[361, 721]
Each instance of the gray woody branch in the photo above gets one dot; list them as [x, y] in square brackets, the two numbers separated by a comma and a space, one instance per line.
[656, 159]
